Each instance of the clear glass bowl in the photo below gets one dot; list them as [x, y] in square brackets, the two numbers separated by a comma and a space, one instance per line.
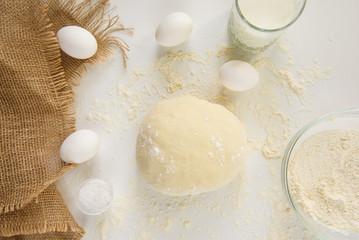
[96, 196]
[344, 119]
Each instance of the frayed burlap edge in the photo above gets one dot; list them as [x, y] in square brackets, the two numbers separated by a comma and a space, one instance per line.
[7, 231]
[58, 80]
[93, 16]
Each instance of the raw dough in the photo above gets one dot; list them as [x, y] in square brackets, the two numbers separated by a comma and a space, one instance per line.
[189, 146]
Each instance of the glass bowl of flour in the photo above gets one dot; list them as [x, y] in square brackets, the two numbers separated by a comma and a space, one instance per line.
[94, 196]
[320, 175]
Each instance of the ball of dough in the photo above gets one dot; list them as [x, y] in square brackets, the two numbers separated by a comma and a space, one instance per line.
[189, 146]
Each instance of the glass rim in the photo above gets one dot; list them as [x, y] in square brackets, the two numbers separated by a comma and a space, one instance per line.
[285, 163]
[266, 29]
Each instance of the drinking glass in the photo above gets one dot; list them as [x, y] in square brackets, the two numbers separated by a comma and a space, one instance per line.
[257, 24]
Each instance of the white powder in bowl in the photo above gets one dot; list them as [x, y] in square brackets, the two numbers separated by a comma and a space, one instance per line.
[94, 196]
[323, 177]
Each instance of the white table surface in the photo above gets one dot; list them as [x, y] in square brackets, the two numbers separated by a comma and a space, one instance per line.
[253, 207]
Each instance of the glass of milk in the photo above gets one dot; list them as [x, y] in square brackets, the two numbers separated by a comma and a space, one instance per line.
[257, 24]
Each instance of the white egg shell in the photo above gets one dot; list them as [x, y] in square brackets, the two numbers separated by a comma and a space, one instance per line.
[174, 29]
[238, 76]
[80, 146]
[77, 42]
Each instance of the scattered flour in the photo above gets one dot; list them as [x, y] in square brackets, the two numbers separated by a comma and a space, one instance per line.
[112, 220]
[172, 66]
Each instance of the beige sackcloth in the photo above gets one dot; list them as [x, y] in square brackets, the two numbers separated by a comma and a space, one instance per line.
[36, 109]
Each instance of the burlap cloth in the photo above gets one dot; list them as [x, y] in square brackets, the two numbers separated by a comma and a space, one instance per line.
[36, 112]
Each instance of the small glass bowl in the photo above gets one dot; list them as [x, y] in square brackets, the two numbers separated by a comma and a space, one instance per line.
[344, 119]
[94, 196]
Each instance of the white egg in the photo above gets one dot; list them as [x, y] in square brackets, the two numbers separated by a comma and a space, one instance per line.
[77, 42]
[238, 76]
[174, 29]
[80, 146]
